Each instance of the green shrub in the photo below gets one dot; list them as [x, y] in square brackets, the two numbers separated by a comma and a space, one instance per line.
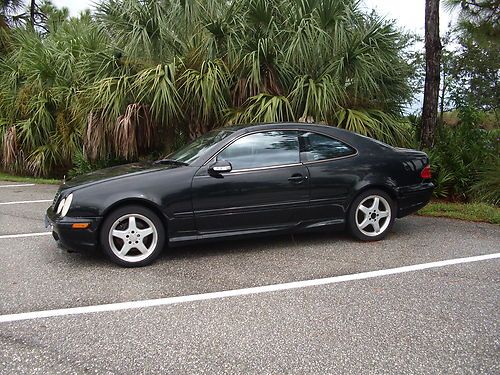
[464, 160]
[487, 187]
[82, 165]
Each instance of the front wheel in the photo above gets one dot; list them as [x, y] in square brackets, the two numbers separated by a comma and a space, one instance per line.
[371, 215]
[132, 236]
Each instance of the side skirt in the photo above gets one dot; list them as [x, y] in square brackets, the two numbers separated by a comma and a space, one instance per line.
[316, 226]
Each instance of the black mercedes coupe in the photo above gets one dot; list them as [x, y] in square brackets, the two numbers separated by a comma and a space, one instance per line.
[240, 181]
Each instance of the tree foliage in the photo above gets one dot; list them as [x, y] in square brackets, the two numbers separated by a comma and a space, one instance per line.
[471, 65]
[480, 18]
[466, 157]
[475, 74]
[137, 74]
[465, 160]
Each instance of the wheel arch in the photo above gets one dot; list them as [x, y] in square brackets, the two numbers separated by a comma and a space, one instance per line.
[140, 202]
[386, 189]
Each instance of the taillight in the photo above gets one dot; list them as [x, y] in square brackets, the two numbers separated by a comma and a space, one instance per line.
[426, 172]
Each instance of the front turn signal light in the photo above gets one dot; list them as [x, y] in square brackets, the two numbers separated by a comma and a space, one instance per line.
[80, 225]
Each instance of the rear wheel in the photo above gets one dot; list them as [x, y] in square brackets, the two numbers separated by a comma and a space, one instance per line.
[372, 215]
[132, 236]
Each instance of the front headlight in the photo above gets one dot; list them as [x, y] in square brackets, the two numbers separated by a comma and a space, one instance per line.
[66, 204]
[60, 206]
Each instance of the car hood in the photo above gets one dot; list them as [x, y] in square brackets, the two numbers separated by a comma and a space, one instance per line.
[113, 173]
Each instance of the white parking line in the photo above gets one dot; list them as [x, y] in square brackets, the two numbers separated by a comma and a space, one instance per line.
[24, 235]
[238, 292]
[16, 185]
[25, 202]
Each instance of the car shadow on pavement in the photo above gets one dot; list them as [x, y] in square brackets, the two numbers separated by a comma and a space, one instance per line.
[276, 242]
[251, 245]
[270, 243]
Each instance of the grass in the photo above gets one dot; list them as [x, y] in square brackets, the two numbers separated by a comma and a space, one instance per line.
[480, 212]
[9, 177]
[489, 119]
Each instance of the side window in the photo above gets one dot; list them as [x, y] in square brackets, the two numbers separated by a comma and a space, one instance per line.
[320, 147]
[264, 149]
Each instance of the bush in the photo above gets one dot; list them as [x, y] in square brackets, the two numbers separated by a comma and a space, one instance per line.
[465, 159]
[82, 165]
[487, 188]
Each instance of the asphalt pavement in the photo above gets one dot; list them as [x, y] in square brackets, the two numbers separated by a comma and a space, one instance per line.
[428, 321]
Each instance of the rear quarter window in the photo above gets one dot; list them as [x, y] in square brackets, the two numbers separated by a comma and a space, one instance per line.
[316, 147]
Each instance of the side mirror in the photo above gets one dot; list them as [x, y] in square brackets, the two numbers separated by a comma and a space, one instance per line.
[220, 166]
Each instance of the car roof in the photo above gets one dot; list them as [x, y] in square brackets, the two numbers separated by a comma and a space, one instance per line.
[331, 130]
[353, 139]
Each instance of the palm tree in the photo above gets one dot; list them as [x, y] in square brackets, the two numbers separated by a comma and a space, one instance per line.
[41, 88]
[139, 71]
[319, 57]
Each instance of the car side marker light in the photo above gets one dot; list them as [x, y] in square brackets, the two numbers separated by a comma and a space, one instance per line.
[80, 225]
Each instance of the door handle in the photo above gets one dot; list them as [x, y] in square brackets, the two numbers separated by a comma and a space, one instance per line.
[297, 178]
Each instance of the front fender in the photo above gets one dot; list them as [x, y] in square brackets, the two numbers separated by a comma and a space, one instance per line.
[167, 190]
[92, 203]
[135, 198]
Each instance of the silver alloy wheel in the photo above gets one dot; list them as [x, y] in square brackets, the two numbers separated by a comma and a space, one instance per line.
[373, 215]
[133, 237]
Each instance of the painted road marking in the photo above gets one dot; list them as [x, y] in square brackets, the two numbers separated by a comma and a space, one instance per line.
[25, 202]
[24, 235]
[238, 292]
[16, 185]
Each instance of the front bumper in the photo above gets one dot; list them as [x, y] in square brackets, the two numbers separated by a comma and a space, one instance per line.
[413, 198]
[73, 239]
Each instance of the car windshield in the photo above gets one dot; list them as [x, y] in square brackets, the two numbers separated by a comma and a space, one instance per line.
[199, 146]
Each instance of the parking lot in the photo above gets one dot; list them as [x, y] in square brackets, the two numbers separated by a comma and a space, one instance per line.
[302, 304]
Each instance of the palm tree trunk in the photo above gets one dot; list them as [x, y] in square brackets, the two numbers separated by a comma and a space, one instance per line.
[432, 65]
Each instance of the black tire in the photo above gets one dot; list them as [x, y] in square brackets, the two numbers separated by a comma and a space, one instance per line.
[373, 216]
[120, 220]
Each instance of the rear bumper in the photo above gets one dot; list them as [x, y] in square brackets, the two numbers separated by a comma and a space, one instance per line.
[74, 239]
[413, 198]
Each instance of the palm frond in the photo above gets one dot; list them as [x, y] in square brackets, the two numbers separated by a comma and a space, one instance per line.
[134, 131]
[205, 92]
[375, 124]
[44, 159]
[264, 108]
[10, 149]
[487, 187]
[318, 98]
[157, 86]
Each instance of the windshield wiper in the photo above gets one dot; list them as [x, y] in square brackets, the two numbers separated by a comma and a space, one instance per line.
[170, 161]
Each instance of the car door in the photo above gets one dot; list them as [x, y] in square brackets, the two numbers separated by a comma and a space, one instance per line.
[333, 173]
[266, 189]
